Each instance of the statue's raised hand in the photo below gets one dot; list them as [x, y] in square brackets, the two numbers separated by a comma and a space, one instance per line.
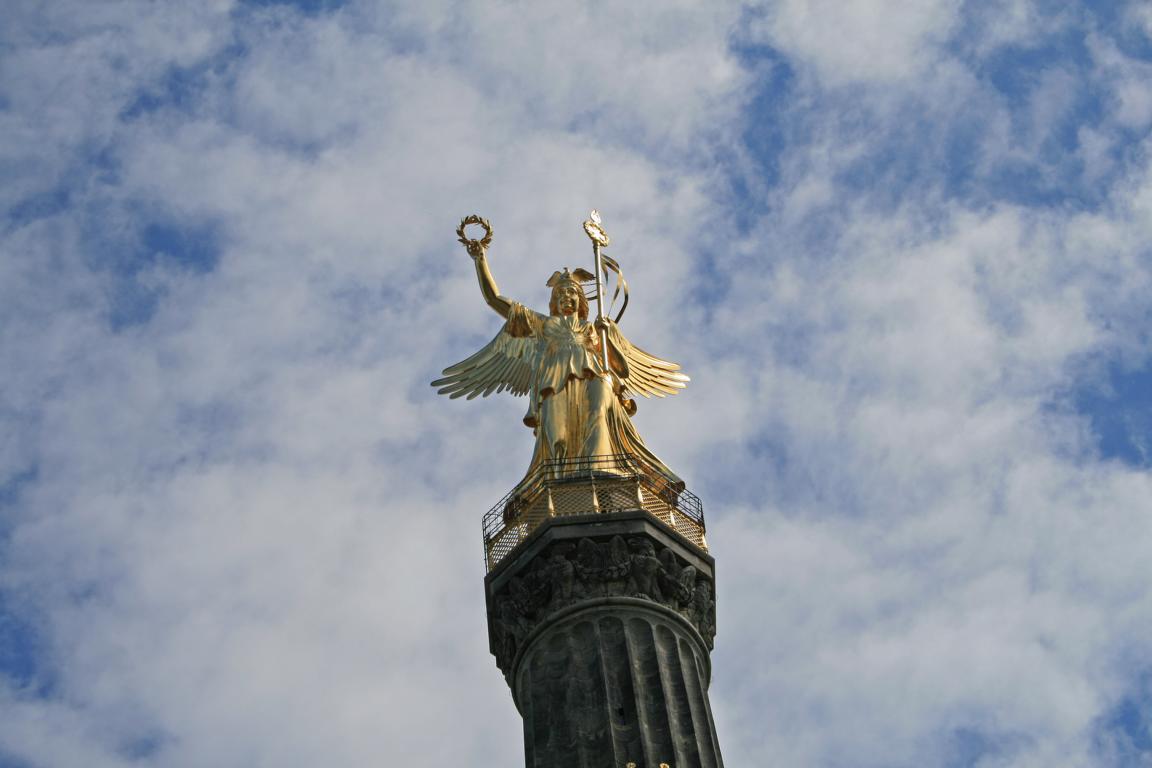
[476, 248]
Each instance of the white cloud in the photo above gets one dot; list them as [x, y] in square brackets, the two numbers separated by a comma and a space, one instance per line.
[861, 40]
[1131, 98]
[934, 550]
[251, 535]
[1142, 15]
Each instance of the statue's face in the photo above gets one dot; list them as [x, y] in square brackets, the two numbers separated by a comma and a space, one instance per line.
[568, 299]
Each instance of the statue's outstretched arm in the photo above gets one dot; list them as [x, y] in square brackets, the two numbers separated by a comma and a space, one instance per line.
[478, 250]
[488, 283]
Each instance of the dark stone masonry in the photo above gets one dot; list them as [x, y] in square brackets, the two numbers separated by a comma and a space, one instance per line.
[602, 625]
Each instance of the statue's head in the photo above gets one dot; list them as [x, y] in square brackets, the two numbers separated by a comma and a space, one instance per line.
[568, 293]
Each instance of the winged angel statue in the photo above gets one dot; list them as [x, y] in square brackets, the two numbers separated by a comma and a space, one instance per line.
[578, 374]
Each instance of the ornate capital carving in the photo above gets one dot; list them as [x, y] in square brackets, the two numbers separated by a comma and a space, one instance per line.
[568, 572]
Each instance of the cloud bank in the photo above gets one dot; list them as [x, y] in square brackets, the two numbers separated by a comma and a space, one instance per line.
[902, 252]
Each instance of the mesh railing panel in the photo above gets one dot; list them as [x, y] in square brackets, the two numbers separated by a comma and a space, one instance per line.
[588, 486]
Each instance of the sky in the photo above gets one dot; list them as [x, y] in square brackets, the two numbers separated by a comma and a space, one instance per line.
[904, 250]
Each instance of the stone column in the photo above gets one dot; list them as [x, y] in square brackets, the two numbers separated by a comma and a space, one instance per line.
[602, 625]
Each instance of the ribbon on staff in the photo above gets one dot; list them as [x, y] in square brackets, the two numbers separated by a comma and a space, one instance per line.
[610, 264]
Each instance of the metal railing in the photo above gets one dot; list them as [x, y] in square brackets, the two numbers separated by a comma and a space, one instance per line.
[586, 486]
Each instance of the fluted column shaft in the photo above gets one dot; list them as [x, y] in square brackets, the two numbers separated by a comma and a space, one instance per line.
[603, 626]
[616, 682]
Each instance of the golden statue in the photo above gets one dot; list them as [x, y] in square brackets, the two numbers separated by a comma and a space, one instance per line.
[577, 374]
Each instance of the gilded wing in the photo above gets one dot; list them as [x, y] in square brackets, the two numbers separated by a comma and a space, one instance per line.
[645, 374]
[504, 363]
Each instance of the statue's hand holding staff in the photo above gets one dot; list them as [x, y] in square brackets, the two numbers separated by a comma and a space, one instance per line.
[599, 240]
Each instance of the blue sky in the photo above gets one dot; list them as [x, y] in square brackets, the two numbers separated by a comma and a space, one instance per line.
[903, 250]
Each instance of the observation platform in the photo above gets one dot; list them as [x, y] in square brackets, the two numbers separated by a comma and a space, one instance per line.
[588, 486]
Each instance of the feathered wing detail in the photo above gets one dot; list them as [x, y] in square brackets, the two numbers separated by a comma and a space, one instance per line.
[505, 363]
[645, 374]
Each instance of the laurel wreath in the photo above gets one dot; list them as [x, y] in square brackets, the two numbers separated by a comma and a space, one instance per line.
[468, 242]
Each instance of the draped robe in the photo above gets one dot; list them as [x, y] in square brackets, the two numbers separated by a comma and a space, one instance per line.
[576, 408]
